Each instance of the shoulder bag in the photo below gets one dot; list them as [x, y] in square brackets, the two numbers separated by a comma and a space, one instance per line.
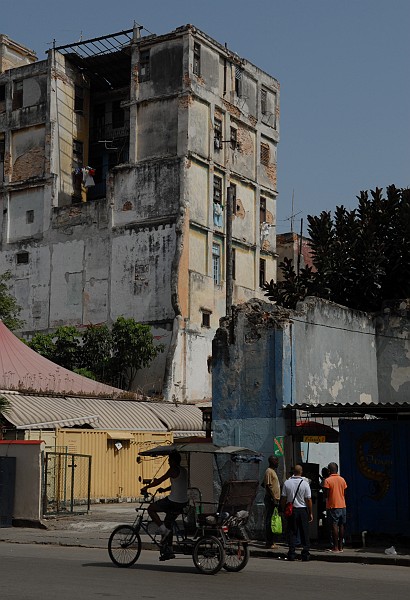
[289, 505]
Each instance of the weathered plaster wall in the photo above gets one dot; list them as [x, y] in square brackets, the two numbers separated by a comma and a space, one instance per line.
[335, 355]
[28, 153]
[20, 224]
[393, 352]
[157, 133]
[200, 127]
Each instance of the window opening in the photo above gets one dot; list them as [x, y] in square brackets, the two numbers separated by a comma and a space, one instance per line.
[145, 71]
[234, 204]
[264, 102]
[265, 154]
[197, 59]
[206, 318]
[78, 99]
[2, 93]
[118, 114]
[262, 212]
[217, 189]
[216, 263]
[2, 151]
[29, 216]
[234, 138]
[17, 95]
[22, 258]
[217, 134]
[262, 272]
[238, 81]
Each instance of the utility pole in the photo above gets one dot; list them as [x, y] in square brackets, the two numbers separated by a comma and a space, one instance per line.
[229, 279]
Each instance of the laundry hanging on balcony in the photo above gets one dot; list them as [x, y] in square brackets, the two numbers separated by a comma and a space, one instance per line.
[88, 176]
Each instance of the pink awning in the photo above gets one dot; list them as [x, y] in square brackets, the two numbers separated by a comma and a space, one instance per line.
[23, 369]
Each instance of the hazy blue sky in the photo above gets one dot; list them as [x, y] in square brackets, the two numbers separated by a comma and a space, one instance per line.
[343, 66]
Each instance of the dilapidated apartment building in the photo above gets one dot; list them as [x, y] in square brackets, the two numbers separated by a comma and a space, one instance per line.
[116, 154]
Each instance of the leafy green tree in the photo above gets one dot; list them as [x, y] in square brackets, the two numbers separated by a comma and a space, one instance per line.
[132, 349]
[9, 309]
[361, 257]
[96, 352]
[112, 357]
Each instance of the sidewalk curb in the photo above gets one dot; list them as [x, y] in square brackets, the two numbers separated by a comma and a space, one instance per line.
[399, 561]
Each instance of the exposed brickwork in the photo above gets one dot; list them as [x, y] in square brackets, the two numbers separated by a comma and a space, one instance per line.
[30, 164]
[185, 101]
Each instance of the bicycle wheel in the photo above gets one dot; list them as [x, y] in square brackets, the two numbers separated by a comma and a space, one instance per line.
[236, 556]
[208, 555]
[124, 546]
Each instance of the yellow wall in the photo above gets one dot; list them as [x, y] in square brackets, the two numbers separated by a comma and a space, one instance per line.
[114, 473]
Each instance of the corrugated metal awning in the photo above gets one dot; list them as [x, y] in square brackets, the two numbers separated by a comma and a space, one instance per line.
[45, 412]
[181, 417]
[334, 409]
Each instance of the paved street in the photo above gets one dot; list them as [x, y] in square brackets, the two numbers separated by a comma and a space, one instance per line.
[40, 571]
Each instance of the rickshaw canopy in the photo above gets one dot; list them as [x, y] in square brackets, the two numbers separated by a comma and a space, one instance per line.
[237, 453]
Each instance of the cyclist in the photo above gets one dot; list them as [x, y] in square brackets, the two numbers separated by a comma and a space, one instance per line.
[171, 505]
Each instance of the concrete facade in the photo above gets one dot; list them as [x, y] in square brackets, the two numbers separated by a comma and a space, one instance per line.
[167, 124]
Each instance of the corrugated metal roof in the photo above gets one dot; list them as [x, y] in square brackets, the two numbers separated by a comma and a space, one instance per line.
[45, 412]
[35, 412]
[184, 417]
[347, 408]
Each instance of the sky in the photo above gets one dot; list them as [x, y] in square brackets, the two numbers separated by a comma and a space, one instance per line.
[343, 68]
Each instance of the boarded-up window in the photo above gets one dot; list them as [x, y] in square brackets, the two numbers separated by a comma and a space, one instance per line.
[197, 59]
[145, 70]
[29, 216]
[206, 318]
[17, 95]
[265, 154]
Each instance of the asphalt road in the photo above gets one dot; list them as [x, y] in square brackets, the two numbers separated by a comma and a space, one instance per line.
[32, 572]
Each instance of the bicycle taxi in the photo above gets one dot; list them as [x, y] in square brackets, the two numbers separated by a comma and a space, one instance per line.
[212, 532]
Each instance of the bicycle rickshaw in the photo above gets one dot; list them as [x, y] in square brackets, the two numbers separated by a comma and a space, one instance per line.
[213, 533]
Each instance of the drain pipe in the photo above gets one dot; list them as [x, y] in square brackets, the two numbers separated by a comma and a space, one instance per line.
[364, 533]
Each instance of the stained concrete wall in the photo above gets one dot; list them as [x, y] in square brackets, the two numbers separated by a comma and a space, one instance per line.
[29, 473]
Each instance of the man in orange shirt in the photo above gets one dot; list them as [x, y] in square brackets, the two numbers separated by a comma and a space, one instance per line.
[334, 489]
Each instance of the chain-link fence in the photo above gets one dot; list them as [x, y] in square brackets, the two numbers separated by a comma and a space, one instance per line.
[67, 483]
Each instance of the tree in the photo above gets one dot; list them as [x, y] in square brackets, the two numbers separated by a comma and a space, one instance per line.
[361, 257]
[112, 357]
[9, 309]
[133, 348]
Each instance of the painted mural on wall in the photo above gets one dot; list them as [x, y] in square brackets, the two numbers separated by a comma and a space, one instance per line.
[374, 461]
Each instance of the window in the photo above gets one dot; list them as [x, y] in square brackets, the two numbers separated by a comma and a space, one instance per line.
[216, 263]
[22, 258]
[264, 102]
[2, 151]
[197, 59]
[262, 272]
[238, 81]
[78, 99]
[206, 318]
[2, 93]
[217, 134]
[233, 263]
[78, 153]
[29, 216]
[262, 211]
[145, 71]
[17, 95]
[233, 196]
[118, 115]
[234, 138]
[265, 154]
[217, 189]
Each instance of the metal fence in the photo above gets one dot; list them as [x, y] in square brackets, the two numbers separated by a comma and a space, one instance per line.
[67, 483]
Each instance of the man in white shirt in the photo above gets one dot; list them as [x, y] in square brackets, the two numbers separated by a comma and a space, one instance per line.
[296, 490]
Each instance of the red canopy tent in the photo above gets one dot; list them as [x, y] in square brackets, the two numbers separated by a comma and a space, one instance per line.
[23, 369]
